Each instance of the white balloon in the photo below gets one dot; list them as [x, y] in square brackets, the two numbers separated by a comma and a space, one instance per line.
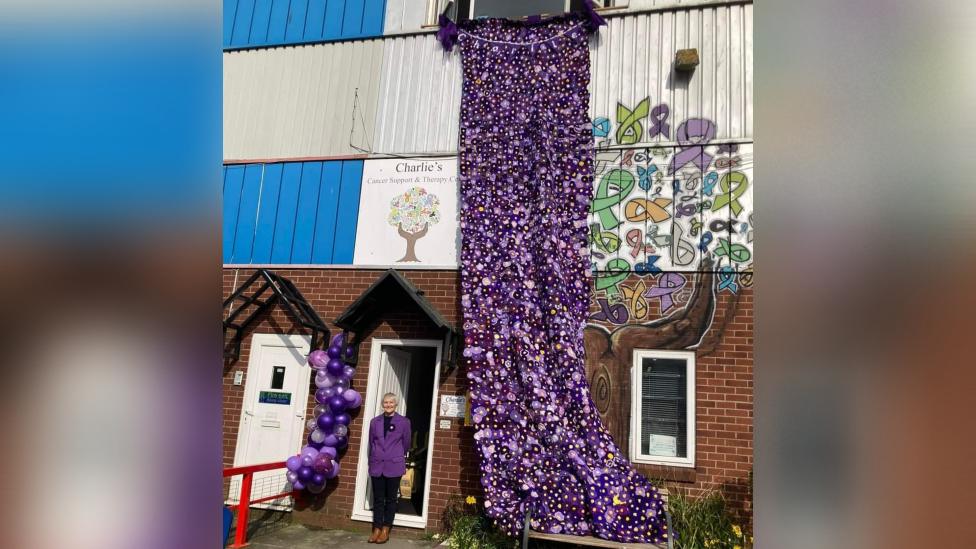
[319, 410]
[341, 430]
[311, 424]
[318, 436]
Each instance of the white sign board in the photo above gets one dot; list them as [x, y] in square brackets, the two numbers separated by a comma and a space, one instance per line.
[408, 211]
[445, 424]
[452, 405]
[663, 445]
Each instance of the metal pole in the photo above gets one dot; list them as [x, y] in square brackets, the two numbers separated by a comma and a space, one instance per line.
[243, 507]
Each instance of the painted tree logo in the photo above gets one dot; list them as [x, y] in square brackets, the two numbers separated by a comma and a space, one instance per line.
[411, 213]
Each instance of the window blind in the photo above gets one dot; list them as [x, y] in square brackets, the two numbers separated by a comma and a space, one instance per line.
[664, 407]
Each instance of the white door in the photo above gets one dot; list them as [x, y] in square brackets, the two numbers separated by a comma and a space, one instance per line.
[389, 372]
[394, 378]
[273, 416]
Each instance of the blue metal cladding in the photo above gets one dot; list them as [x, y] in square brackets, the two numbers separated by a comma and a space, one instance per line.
[262, 23]
[291, 212]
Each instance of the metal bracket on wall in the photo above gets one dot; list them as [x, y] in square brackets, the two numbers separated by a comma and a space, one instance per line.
[252, 296]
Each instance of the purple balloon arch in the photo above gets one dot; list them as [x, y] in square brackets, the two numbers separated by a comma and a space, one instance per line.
[318, 462]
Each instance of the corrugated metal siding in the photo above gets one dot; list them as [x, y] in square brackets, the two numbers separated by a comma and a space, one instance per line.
[405, 16]
[256, 23]
[291, 213]
[297, 102]
[634, 56]
[417, 110]
[419, 97]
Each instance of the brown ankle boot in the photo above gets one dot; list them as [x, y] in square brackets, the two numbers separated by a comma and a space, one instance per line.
[374, 535]
[384, 535]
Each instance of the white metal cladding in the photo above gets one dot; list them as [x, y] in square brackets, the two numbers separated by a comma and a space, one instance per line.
[406, 15]
[634, 57]
[419, 97]
[297, 101]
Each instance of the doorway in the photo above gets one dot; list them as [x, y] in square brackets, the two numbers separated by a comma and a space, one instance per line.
[273, 411]
[410, 369]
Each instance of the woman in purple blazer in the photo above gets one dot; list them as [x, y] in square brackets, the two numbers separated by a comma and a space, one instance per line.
[389, 442]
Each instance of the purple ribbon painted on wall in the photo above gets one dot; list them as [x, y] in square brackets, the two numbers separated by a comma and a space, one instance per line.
[667, 285]
[693, 135]
[526, 177]
[659, 115]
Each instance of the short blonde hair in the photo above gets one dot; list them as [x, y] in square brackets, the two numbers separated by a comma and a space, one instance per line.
[396, 399]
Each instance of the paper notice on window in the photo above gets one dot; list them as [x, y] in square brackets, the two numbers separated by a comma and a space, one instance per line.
[663, 445]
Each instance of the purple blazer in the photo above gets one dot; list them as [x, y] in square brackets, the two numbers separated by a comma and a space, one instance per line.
[387, 455]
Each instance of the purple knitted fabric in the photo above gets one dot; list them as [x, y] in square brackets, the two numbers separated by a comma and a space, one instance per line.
[526, 175]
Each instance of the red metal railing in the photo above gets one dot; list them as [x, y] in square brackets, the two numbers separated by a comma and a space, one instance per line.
[243, 505]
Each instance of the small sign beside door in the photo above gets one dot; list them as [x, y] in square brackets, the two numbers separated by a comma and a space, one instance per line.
[274, 397]
[452, 405]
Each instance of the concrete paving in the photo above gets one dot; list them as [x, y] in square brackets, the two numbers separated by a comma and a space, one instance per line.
[296, 536]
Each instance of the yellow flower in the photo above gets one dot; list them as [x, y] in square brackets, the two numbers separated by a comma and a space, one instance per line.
[737, 531]
[737, 547]
[471, 500]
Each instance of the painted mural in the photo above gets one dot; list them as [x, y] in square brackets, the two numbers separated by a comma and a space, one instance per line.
[671, 230]
[665, 211]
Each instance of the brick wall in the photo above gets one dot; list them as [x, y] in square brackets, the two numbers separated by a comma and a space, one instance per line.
[724, 393]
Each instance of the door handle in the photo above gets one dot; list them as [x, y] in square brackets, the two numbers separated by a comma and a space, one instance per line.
[248, 413]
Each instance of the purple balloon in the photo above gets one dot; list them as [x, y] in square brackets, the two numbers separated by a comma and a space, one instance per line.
[348, 372]
[293, 463]
[337, 404]
[338, 340]
[309, 451]
[329, 451]
[322, 463]
[321, 397]
[350, 395]
[318, 478]
[334, 367]
[298, 485]
[334, 352]
[331, 440]
[341, 442]
[323, 379]
[316, 488]
[334, 472]
[307, 461]
[349, 353]
[304, 474]
[291, 476]
[318, 359]
[343, 419]
[326, 422]
[356, 403]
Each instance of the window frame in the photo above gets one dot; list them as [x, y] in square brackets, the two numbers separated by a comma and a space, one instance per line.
[636, 398]
[436, 7]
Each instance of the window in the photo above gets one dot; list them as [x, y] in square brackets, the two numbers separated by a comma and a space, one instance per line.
[662, 422]
[461, 10]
